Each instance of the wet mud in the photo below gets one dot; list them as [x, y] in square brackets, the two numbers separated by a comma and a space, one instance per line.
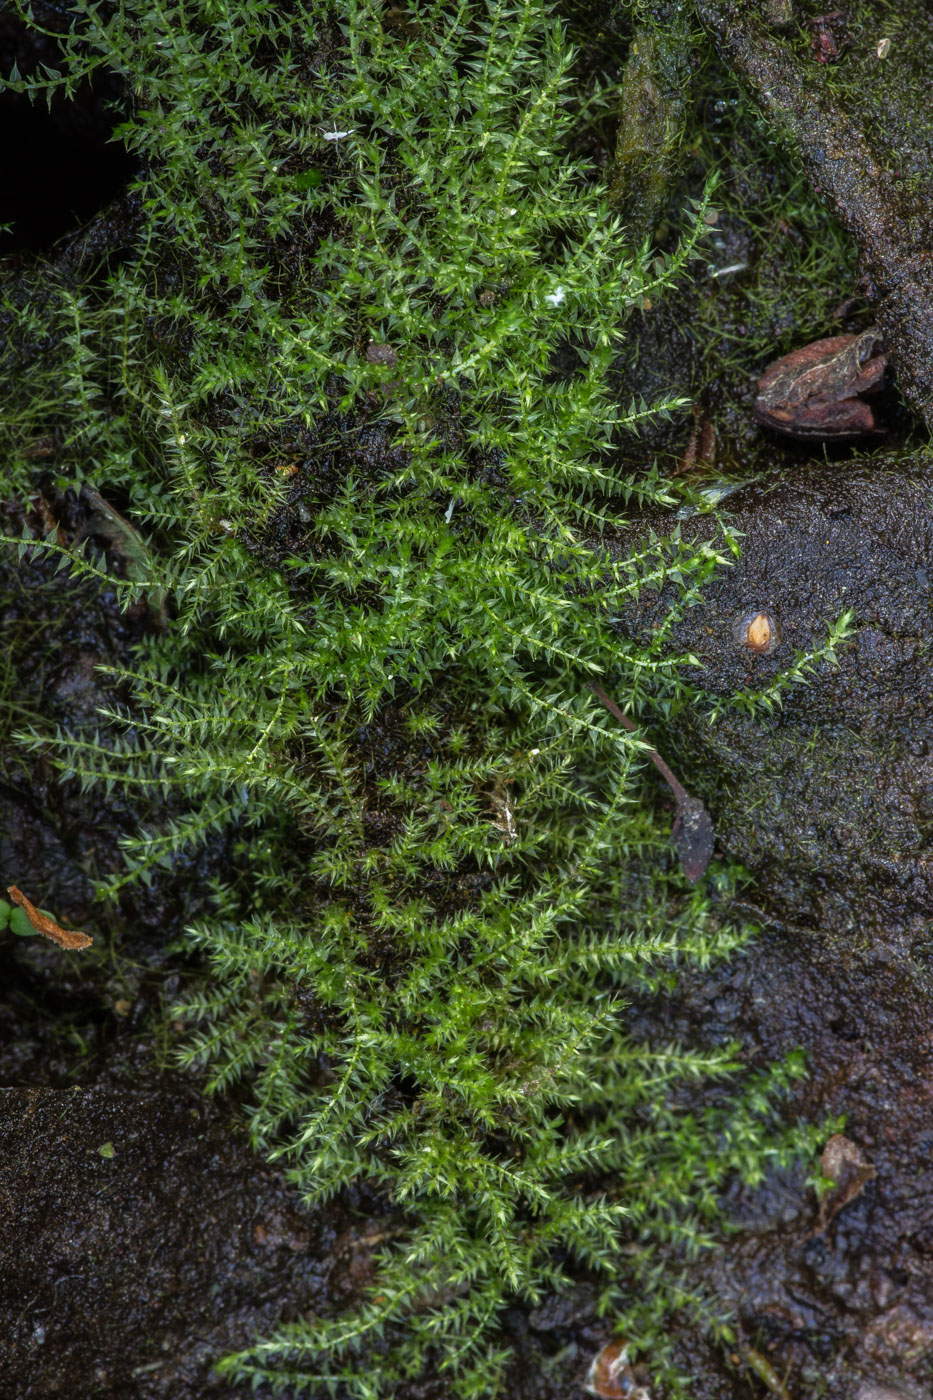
[140, 1239]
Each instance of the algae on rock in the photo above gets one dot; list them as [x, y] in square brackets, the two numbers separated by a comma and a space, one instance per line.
[653, 112]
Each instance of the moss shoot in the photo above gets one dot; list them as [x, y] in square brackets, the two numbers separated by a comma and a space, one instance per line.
[352, 373]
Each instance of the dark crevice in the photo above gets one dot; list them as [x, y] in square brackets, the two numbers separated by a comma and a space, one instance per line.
[59, 163]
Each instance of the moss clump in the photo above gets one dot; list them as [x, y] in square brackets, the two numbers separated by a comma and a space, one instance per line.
[350, 380]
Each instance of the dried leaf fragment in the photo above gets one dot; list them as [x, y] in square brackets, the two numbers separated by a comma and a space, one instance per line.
[844, 1165]
[694, 836]
[65, 938]
[611, 1377]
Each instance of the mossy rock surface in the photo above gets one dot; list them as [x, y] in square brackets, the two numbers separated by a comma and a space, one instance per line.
[828, 798]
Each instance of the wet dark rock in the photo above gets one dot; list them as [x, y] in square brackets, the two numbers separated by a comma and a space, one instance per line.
[140, 1239]
[856, 1300]
[828, 801]
[829, 798]
[378, 354]
[560, 1311]
[885, 1390]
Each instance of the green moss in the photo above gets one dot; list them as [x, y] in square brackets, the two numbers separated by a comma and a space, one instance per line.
[355, 379]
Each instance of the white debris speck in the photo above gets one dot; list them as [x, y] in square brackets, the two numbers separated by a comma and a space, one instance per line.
[556, 297]
[336, 135]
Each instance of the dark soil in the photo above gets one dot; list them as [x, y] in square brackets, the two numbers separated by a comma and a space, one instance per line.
[140, 1239]
[123, 1273]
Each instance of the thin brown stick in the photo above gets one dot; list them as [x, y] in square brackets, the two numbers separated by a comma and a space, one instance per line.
[692, 832]
[678, 789]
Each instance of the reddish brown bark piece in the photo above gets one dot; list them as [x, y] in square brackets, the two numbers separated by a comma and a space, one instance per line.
[64, 937]
[815, 391]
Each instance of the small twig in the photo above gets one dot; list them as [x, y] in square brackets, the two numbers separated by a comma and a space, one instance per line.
[692, 830]
[677, 788]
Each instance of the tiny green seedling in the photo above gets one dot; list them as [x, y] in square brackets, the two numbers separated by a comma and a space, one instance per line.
[16, 920]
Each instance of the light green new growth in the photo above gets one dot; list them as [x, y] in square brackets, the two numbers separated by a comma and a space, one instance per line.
[325, 375]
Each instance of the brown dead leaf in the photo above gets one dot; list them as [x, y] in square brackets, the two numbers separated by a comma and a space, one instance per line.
[65, 938]
[843, 1164]
[51, 525]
